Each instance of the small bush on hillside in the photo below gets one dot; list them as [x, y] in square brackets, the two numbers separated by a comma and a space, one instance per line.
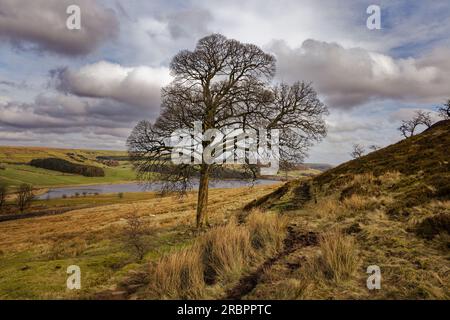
[24, 196]
[3, 192]
[134, 233]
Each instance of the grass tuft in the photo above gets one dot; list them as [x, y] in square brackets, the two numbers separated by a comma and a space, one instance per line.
[339, 258]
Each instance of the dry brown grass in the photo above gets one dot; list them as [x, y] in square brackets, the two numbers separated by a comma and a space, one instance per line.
[364, 178]
[226, 252]
[218, 257]
[327, 207]
[357, 202]
[106, 222]
[267, 231]
[338, 259]
[179, 275]
[64, 249]
[221, 254]
[390, 177]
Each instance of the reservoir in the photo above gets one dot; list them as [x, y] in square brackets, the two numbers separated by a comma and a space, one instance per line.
[139, 187]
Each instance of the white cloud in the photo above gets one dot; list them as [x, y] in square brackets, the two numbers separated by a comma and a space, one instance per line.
[139, 86]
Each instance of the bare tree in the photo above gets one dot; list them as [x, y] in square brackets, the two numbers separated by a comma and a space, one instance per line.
[3, 191]
[423, 118]
[24, 196]
[357, 151]
[223, 83]
[408, 127]
[134, 232]
[444, 110]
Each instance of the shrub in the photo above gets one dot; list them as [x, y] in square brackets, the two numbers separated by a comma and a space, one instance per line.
[24, 196]
[62, 165]
[134, 232]
[3, 192]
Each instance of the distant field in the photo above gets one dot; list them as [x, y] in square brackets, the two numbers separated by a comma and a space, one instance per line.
[15, 160]
[26, 154]
[14, 175]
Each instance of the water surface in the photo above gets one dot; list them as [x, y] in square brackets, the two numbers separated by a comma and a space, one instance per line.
[138, 187]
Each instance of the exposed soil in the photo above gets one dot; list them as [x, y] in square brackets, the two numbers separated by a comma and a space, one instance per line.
[295, 240]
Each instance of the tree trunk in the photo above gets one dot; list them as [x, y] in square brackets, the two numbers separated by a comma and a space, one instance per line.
[202, 202]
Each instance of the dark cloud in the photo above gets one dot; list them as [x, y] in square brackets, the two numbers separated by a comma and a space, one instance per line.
[69, 114]
[41, 24]
[351, 77]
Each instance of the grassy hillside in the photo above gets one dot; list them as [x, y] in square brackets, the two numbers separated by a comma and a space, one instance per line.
[389, 209]
[35, 252]
[426, 153]
[16, 169]
[311, 238]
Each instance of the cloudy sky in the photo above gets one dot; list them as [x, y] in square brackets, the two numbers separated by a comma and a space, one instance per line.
[88, 88]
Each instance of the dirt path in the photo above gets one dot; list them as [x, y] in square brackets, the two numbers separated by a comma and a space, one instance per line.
[295, 240]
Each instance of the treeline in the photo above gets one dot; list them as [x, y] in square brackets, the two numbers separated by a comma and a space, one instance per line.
[62, 165]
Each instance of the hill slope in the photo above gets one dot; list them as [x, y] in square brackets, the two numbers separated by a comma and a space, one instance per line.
[427, 152]
[389, 208]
